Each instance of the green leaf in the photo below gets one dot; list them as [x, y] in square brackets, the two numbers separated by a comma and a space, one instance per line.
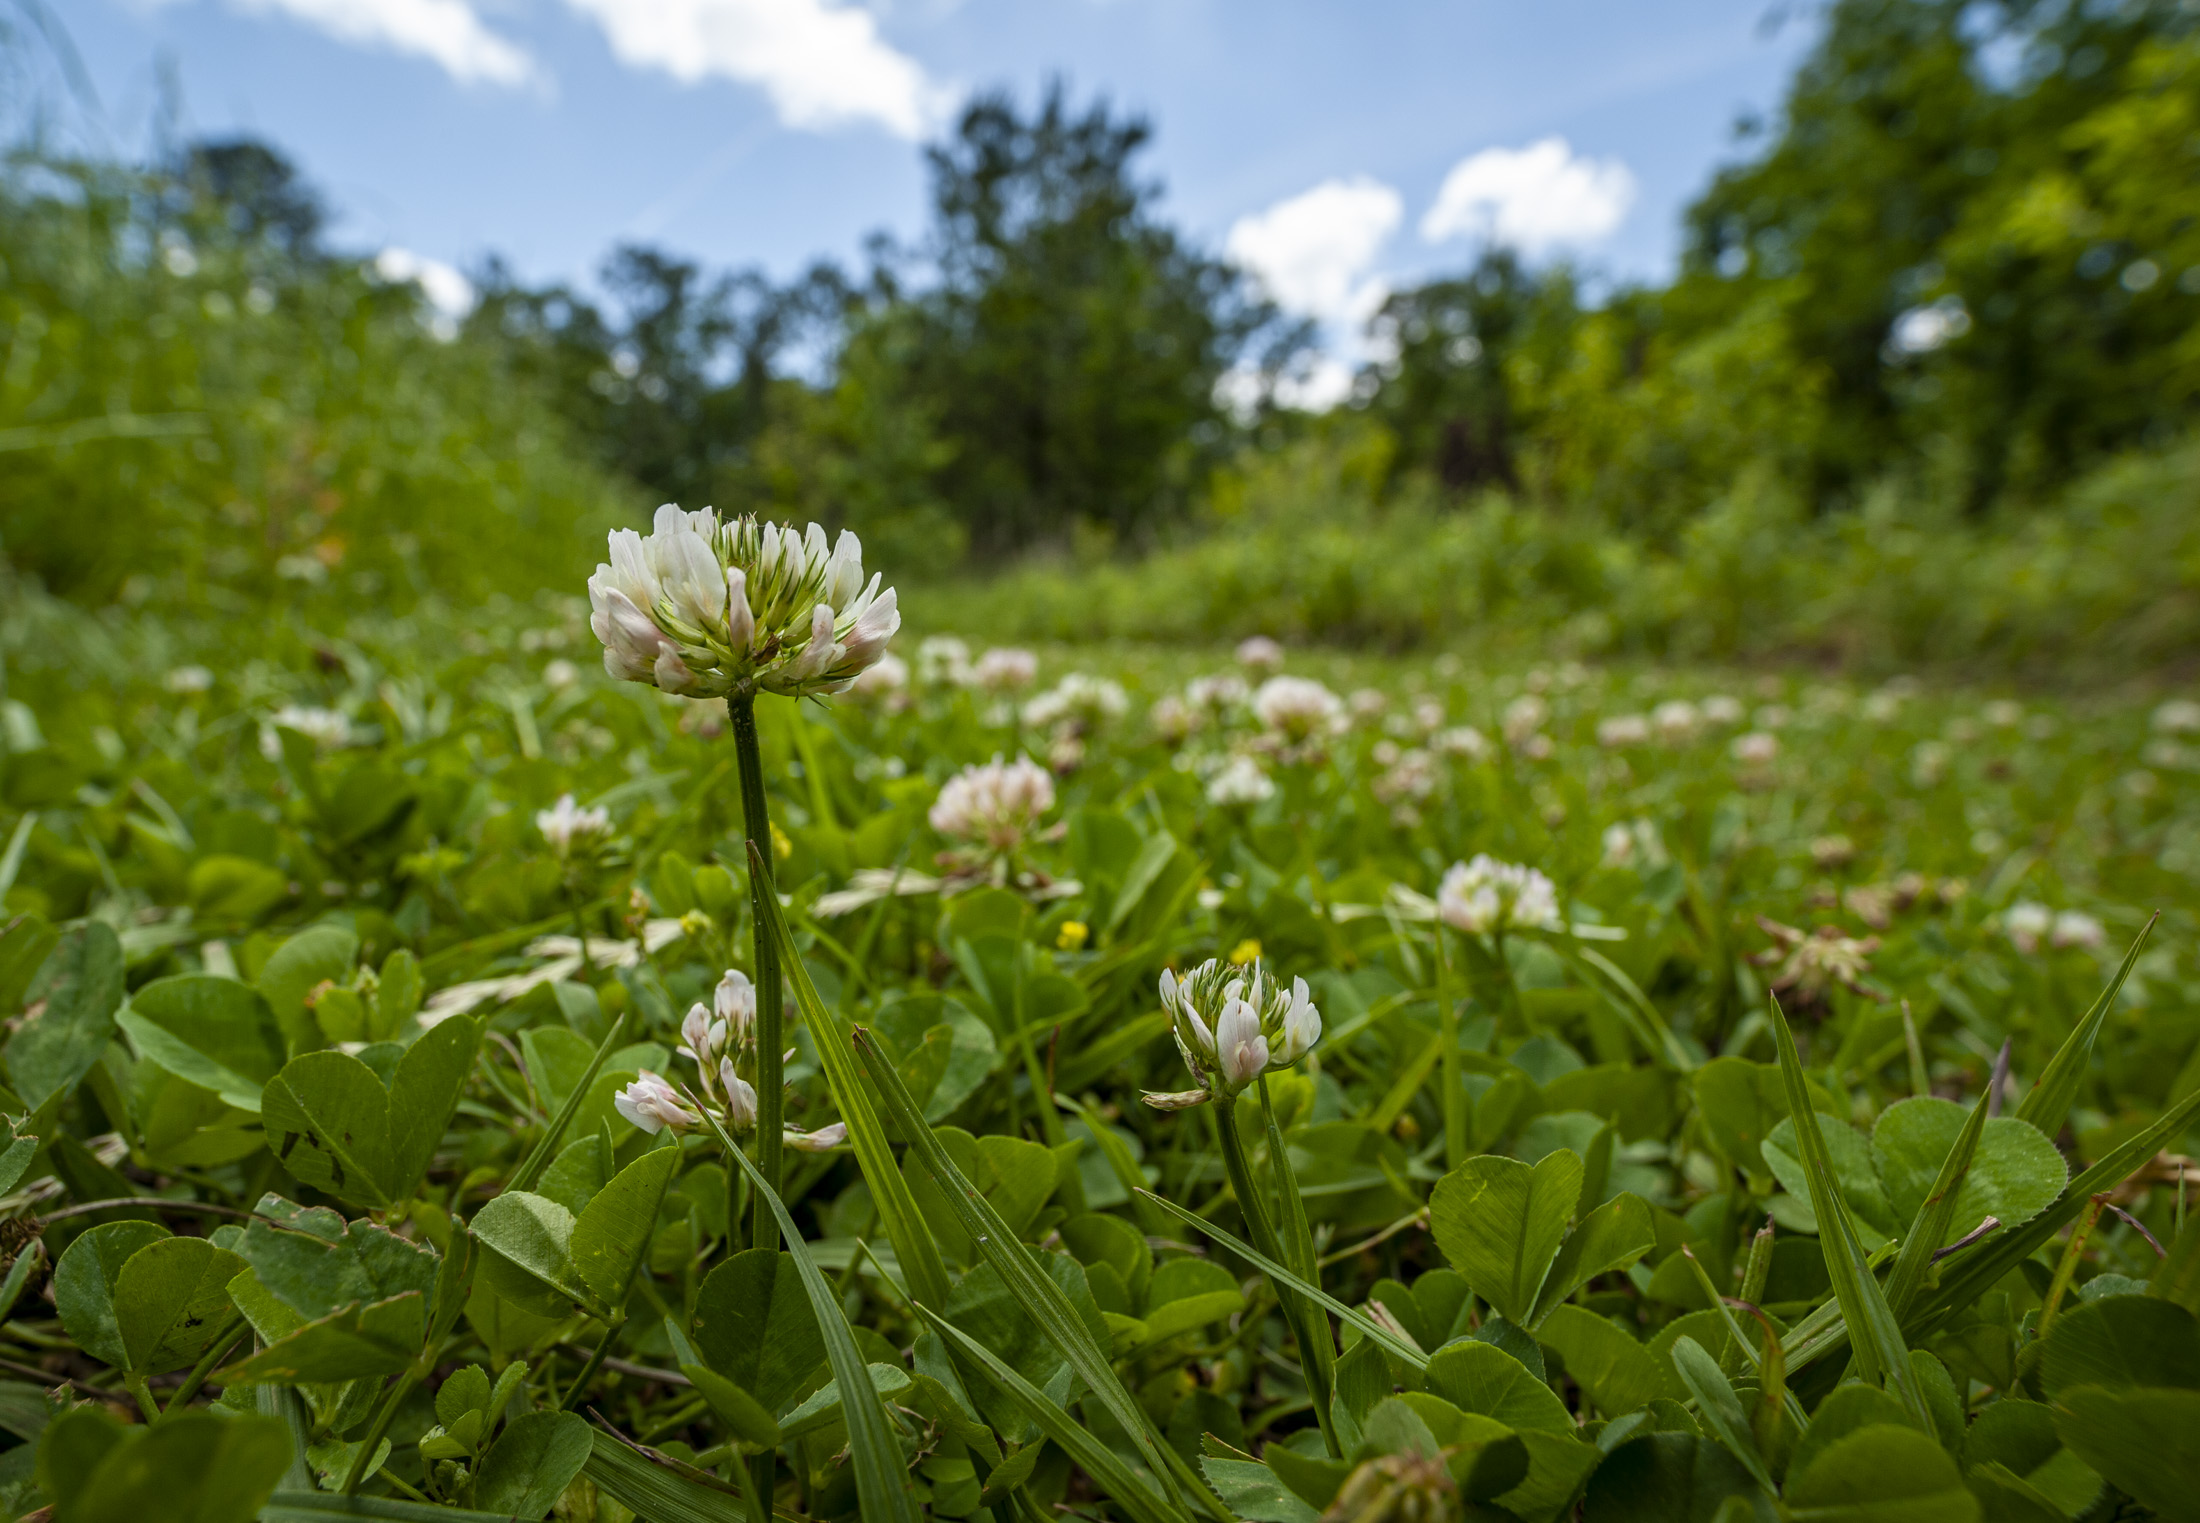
[1616, 1373]
[424, 1094]
[1853, 1171]
[754, 1325]
[171, 1298]
[352, 1343]
[2015, 1174]
[881, 1477]
[25, 943]
[84, 1285]
[530, 1171]
[1740, 1103]
[1881, 1473]
[1611, 1237]
[527, 1245]
[1718, 1406]
[532, 1462]
[2122, 1341]
[1666, 1478]
[80, 985]
[216, 1032]
[2140, 1439]
[1252, 1491]
[1481, 1377]
[1500, 1223]
[1126, 1489]
[1880, 1353]
[1035, 1291]
[299, 966]
[2047, 1105]
[192, 1467]
[336, 1127]
[612, 1235]
[749, 1419]
[1934, 1215]
[914, 1249]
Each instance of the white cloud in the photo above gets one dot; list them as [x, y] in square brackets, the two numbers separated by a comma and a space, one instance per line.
[821, 64]
[449, 293]
[446, 31]
[1533, 198]
[1311, 252]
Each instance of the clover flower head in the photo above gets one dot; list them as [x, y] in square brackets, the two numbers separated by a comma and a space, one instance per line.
[1676, 719]
[1298, 710]
[1410, 777]
[1368, 703]
[1622, 730]
[1172, 718]
[1619, 845]
[708, 609]
[1260, 653]
[1005, 669]
[733, 1002]
[569, 828]
[652, 1104]
[1232, 1025]
[1218, 696]
[2178, 716]
[1240, 781]
[328, 729]
[1721, 708]
[943, 658]
[1461, 740]
[1078, 703]
[884, 678]
[2075, 928]
[1524, 717]
[1756, 748]
[996, 806]
[2027, 924]
[1487, 895]
[188, 679]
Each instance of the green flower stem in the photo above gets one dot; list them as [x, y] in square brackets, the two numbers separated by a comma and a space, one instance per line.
[221, 1343]
[764, 954]
[411, 1376]
[1453, 1080]
[1263, 1233]
[574, 1391]
[1315, 1349]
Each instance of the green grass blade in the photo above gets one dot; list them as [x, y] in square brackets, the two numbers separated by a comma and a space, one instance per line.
[1035, 1291]
[914, 1249]
[2051, 1097]
[1297, 1241]
[530, 1172]
[1934, 1217]
[320, 1506]
[1881, 1356]
[656, 1487]
[1634, 1007]
[1117, 1480]
[1719, 1407]
[1284, 1277]
[882, 1476]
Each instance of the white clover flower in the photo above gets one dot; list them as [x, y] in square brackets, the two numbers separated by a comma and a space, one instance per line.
[569, 828]
[188, 679]
[1079, 702]
[1462, 740]
[1233, 1025]
[884, 678]
[823, 1140]
[1619, 845]
[1408, 779]
[1240, 781]
[1298, 709]
[1524, 716]
[326, 728]
[1260, 653]
[1368, 703]
[652, 1104]
[1172, 718]
[1005, 669]
[2178, 716]
[1623, 730]
[1429, 715]
[1487, 895]
[943, 658]
[1756, 748]
[709, 610]
[2074, 928]
[2027, 924]
[2004, 713]
[1721, 708]
[1929, 763]
[1217, 697]
[733, 1002]
[1775, 716]
[560, 674]
[740, 1098]
[700, 1039]
[1676, 719]
[996, 806]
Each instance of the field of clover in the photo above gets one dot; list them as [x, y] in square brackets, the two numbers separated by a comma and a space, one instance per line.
[703, 1053]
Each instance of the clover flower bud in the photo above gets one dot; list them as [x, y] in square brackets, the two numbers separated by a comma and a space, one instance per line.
[708, 609]
[740, 1098]
[1240, 1048]
[734, 1003]
[568, 828]
[700, 1039]
[652, 1104]
[823, 1140]
[1232, 1025]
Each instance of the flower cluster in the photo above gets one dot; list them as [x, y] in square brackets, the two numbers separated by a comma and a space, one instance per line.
[1079, 701]
[2028, 925]
[1240, 780]
[996, 806]
[1005, 669]
[1487, 895]
[1232, 1025]
[712, 1037]
[1299, 714]
[709, 609]
[570, 829]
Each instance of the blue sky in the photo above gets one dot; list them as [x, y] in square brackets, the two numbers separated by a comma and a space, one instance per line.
[1334, 148]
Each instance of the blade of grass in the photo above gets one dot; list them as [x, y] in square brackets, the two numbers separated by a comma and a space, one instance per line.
[1934, 1217]
[1633, 1006]
[318, 1506]
[1316, 1344]
[1026, 1282]
[2057, 1087]
[915, 1251]
[882, 1476]
[1719, 1407]
[547, 1149]
[1116, 1480]
[1390, 1341]
[1880, 1355]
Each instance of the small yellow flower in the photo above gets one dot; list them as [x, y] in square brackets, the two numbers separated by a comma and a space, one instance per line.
[1244, 952]
[1072, 935]
[782, 848]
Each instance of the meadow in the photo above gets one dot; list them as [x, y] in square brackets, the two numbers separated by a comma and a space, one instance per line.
[1730, 1093]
